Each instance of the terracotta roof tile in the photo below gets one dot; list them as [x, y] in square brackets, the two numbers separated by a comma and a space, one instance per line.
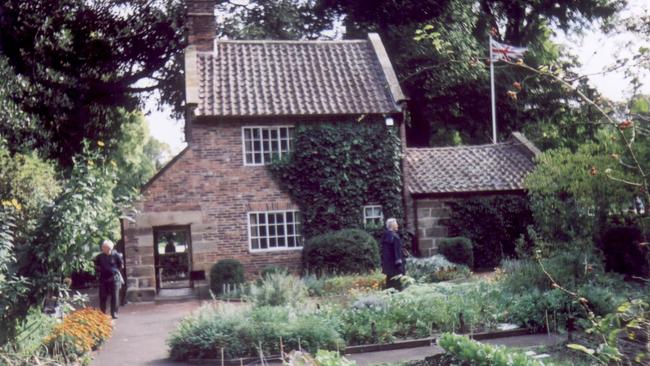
[263, 78]
[494, 167]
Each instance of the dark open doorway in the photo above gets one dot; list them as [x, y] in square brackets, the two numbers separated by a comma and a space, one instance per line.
[173, 256]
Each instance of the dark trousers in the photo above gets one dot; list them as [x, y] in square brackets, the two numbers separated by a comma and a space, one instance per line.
[106, 289]
[392, 282]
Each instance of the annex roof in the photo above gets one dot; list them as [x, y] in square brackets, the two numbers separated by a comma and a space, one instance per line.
[266, 78]
[470, 169]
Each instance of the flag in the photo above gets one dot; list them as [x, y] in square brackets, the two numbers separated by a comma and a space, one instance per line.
[501, 51]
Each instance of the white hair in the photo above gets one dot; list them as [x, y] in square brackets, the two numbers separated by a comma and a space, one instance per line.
[108, 243]
[390, 222]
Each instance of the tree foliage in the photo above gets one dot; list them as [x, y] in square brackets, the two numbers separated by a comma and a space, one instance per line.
[443, 69]
[77, 60]
[66, 233]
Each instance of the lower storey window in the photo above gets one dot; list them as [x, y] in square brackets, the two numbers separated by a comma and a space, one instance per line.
[274, 230]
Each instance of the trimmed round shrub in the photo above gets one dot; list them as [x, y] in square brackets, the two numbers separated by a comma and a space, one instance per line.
[458, 250]
[226, 271]
[343, 251]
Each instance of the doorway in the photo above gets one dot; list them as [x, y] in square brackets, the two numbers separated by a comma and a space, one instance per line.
[173, 257]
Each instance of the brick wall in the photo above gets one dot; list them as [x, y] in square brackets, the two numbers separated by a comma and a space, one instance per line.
[210, 189]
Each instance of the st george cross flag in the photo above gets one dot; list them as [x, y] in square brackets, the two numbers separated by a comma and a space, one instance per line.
[506, 52]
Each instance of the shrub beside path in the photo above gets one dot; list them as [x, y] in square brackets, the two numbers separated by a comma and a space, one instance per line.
[140, 333]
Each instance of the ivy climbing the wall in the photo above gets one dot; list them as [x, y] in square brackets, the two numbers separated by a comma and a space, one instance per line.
[336, 169]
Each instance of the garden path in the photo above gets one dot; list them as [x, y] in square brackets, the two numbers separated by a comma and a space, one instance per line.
[140, 333]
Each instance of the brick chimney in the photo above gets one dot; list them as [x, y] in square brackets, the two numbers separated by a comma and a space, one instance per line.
[201, 24]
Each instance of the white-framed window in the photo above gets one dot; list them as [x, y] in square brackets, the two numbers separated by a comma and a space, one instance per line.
[373, 215]
[274, 230]
[262, 143]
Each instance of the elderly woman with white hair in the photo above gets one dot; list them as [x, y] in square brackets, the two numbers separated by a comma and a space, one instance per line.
[392, 260]
[108, 264]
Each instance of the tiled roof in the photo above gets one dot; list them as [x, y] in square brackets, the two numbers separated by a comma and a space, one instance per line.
[265, 78]
[494, 167]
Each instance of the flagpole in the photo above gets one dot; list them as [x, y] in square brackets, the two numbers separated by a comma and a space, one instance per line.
[494, 115]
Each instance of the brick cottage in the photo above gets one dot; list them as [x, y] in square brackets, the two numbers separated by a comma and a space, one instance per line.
[216, 199]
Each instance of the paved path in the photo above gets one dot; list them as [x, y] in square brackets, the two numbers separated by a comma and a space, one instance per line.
[140, 333]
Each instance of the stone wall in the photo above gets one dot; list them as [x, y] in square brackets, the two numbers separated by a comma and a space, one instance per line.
[431, 213]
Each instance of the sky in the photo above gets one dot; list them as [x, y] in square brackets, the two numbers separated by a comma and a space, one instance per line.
[595, 50]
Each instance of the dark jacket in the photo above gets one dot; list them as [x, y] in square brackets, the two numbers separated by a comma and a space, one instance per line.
[108, 266]
[392, 261]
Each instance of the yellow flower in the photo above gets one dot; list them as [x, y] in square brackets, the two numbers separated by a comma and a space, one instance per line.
[113, 163]
[100, 143]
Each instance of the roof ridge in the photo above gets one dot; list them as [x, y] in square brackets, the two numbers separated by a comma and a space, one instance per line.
[500, 144]
[275, 41]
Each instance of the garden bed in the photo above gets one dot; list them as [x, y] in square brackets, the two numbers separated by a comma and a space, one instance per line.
[402, 344]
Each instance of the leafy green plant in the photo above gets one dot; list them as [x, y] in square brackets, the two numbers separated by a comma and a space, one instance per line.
[226, 272]
[277, 289]
[466, 350]
[338, 168]
[435, 269]
[322, 358]
[458, 250]
[343, 251]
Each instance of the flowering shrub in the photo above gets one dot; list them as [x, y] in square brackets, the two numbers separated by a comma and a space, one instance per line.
[353, 284]
[80, 332]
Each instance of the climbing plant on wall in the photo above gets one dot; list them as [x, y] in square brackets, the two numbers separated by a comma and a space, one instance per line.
[336, 169]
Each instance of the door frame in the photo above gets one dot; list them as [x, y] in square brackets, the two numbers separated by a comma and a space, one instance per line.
[156, 230]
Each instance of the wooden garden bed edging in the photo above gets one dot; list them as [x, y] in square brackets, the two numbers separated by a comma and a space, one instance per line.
[409, 343]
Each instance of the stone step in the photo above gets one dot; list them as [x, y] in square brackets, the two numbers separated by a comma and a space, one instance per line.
[167, 295]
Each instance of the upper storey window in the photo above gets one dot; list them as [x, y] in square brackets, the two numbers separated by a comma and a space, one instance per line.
[263, 144]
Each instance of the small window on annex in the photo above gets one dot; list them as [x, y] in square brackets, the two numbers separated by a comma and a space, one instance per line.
[373, 216]
[274, 230]
[262, 144]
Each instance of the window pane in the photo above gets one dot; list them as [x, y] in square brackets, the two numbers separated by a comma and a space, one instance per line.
[257, 158]
[272, 230]
[272, 243]
[289, 216]
[255, 244]
[281, 242]
[256, 133]
[290, 229]
[265, 134]
[274, 134]
[257, 146]
[271, 219]
[274, 145]
[280, 230]
[263, 244]
[267, 157]
[283, 132]
[279, 218]
[247, 133]
[291, 241]
[253, 218]
[262, 231]
[254, 231]
[262, 218]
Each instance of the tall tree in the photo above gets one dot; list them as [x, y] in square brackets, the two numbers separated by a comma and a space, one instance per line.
[446, 78]
[77, 60]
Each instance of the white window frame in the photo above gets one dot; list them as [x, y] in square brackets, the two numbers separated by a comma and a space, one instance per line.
[297, 234]
[260, 128]
[380, 217]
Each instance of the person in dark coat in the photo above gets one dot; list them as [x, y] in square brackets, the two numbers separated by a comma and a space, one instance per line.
[108, 264]
[392, 260]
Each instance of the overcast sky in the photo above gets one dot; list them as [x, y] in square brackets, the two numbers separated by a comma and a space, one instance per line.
[595, 50]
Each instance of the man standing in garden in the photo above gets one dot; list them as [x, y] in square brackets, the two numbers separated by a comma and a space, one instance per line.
[108, 264]
[392, 260]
